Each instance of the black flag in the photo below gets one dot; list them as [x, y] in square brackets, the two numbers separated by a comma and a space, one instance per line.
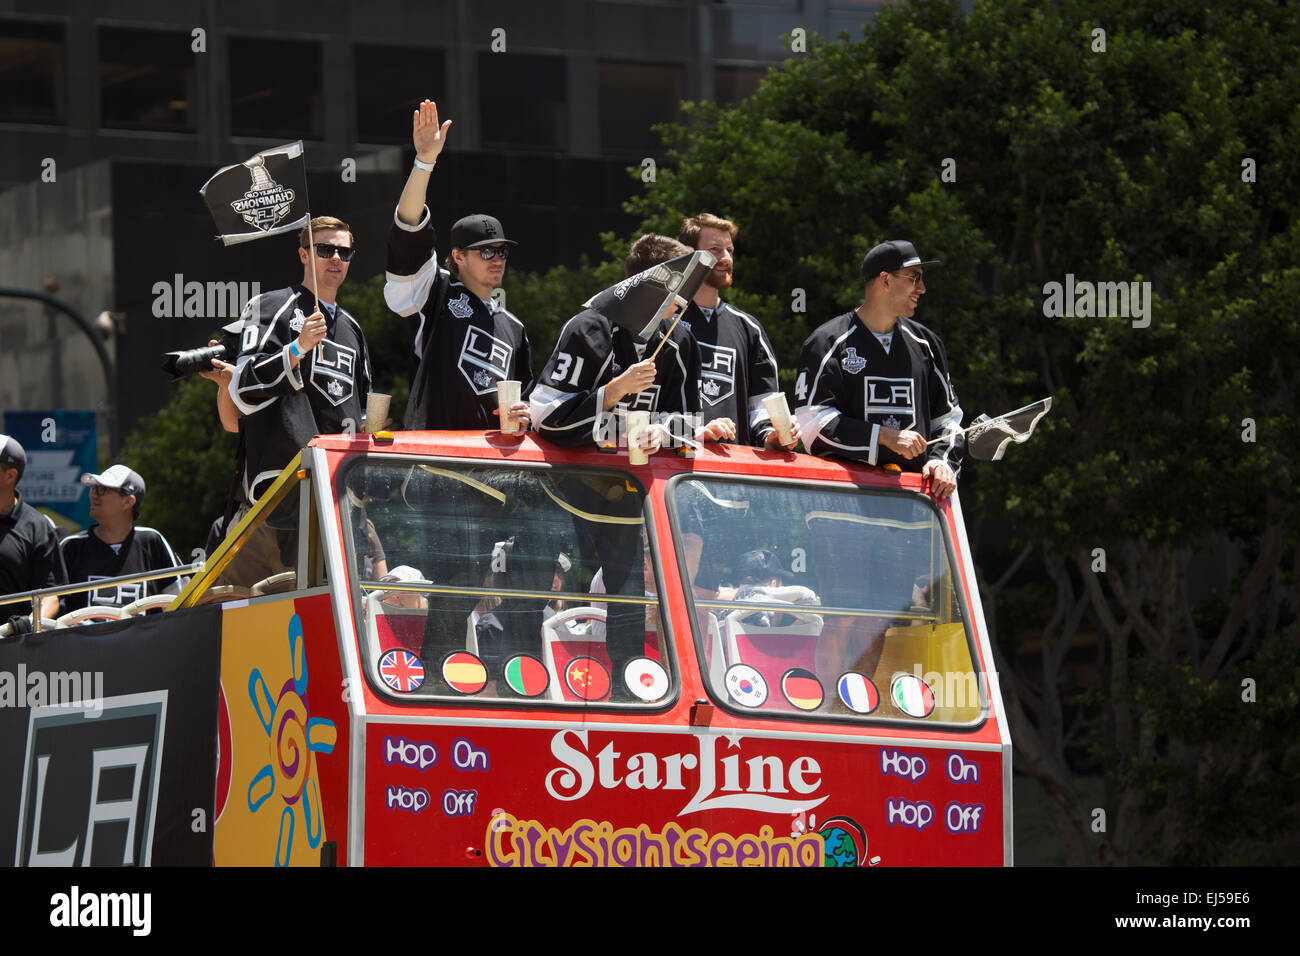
[264, 196]
[987, 438]
[641, 302]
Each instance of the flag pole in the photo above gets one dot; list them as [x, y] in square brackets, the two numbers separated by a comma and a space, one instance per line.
[680, 312]
[311, 258]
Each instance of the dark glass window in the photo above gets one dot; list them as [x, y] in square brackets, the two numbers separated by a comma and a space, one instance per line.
[634, 97]
[275, 88]
[734, 83]
[522, 100]
[390, 83]
[31, 72]
[146, 79]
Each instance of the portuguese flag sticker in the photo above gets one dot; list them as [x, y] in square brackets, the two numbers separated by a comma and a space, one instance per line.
[526, 676]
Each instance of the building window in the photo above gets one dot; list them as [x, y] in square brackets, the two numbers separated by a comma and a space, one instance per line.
[735, 83]
[31, 72]
[633, 98]
[390, 83]
[146, 79]
[275, 88]
[522, 101]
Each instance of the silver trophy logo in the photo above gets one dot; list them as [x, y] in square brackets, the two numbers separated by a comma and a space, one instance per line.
[266, 202]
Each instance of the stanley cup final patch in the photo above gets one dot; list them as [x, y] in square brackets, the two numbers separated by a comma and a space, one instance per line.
[484, 360]
[717, 373]
[890, 401]
[333, 371]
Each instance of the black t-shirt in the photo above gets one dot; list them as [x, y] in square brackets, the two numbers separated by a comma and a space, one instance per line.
[87, 558]
[463, 347]
[29, 556]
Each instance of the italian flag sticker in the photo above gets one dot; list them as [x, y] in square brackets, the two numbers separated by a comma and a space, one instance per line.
[912, 695]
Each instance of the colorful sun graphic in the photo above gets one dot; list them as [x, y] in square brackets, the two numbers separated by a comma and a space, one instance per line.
[294, 738]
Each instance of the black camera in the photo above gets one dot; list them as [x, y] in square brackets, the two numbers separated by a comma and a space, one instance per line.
[187, 362]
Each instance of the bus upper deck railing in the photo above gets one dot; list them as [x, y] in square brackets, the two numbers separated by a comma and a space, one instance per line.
[61, 589]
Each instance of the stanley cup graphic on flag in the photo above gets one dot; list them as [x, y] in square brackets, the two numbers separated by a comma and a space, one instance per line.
[264, 196]
[641, 302]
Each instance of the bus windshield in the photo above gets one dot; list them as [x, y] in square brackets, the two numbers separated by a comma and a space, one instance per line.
[817, 601]
[503, 583]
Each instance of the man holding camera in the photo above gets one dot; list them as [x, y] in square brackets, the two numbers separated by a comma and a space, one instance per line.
[302, 370]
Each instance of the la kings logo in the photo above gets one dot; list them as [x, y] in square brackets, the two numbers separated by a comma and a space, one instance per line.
[118, 596]
[90, 781]
[484, 360]
[717, 373]
[333, 371]
[890, 401]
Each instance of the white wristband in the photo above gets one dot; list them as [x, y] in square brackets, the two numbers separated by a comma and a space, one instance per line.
[426, 167]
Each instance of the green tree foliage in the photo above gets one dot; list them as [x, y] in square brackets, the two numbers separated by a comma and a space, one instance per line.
[187, 461]
[1117, 165]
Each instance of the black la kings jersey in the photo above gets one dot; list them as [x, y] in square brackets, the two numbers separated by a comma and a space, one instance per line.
[463, 347]
[568, 400]
[286, 407]
[737, 370]
[88, 559]
[849, 387]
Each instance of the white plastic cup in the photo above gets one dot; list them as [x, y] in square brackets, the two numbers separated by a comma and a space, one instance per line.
[779, 411]
[507, 395]
[376, 410]
[637, 422]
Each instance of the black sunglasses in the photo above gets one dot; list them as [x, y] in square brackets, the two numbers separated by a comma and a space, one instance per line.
[492, 252]
[325, 250]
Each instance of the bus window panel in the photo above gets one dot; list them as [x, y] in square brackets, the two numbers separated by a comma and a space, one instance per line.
[506, 550]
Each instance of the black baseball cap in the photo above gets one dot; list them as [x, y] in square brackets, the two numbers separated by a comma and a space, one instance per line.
[12, 454]
[478, 230]
[760, 565]
[890, 256]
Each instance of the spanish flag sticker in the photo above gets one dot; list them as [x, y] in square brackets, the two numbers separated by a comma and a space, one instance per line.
[464, 672]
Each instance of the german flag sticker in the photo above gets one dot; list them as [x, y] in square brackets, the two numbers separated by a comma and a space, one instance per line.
[802, 688]
[464, 672]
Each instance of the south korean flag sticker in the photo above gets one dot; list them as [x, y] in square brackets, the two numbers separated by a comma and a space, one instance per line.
[646, 679]
[745, 685]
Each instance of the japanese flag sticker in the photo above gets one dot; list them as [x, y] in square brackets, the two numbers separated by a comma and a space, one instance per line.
[646, 679]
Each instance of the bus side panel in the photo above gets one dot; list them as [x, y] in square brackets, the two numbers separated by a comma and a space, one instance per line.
[443, 793]
[282, 778]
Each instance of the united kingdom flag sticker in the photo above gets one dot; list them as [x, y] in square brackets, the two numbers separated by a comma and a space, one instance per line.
[745, 685]
[401, 670]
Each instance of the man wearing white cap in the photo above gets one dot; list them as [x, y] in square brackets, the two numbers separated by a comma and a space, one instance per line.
[29, 550]
[114, 546]
[873, 383]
